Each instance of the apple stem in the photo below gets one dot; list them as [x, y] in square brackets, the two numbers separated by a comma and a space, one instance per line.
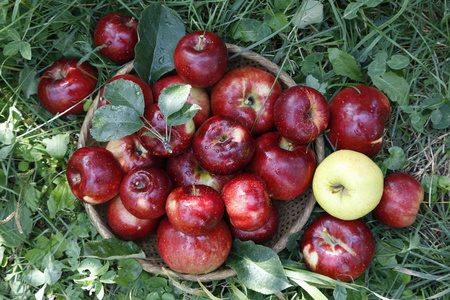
[336, 242]
[139, 185]
[194, 190]
[200, 43]
[337, 189]
[164, 140]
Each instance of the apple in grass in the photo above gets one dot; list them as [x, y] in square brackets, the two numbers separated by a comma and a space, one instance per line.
[348, 184]
[223, 145]
[65, 84]
[193, 254]
[184, 169]
[118, 32]
[94, 175]
[125, 225]
[144, 191]
[340, 249]
[301, 114]
[201, 58]
[146, 90]
[400, 203]
[248, 93]
[287, 168]
[358, 115]
[197, 96]
[130, 153]
[194, 209]
[247, 201]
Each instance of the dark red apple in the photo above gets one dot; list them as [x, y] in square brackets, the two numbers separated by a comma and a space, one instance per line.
[173, 139]
[194, 209]
[64, 85]
[201, 58]
[400, 203]
[184, 169]
[126, 226]
[144, 191]
[197, 96]
[223, 145]
[94, 175]
[301, 114]
[247, 201]
[146, 90]
[193, 254]
[287, 168]
[130, 153]
[262, 234]
[339, 249]
[247, 93]
[119, 33]
[357, 119]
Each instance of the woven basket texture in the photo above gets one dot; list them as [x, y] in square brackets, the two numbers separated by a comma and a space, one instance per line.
[293, 213]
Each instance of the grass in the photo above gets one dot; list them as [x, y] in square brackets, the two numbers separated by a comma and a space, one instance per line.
[41, 246]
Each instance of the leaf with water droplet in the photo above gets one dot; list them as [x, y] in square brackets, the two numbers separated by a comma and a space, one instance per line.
[160, 28]
[126, 93]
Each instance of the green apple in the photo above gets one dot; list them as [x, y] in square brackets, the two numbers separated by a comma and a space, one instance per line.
[348, 184]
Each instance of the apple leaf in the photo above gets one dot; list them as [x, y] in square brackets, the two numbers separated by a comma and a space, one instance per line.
[395, 87]
[344, 64]
[112, 249]
[185, 114]
[172, 98]
[126, 93]
[111, 122]
[159, 30]
[258, 267]
[250, 30]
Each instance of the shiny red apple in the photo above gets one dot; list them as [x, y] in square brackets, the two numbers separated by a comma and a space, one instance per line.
[118, 32]
[94, 175]
[400, 203]
[65, 84]
[287, 168]
[248, 93]
[358, 115]
[301, 114]
[339, 249]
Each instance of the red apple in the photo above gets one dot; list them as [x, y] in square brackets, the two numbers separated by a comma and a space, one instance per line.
[400, 203]
[144, 191]
[194, 209]
[301, 114]
[130, 153]
[197, 96]
[262, 234]
[339, 249]
[193, 254]
[64, 85]
[119, 33]
[357, 119]
[287, 168]
[94, 175]
[126, 226]
[176, 138]
[223, 145]
[247, 93]
[247, 201]
[201, 58]
[184, 170]
[146, 90]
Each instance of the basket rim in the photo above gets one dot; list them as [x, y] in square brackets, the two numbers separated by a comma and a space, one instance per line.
[226, 272]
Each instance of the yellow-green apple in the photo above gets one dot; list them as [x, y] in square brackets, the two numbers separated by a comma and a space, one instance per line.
[342, 250]
[400, 203]
[357, 119]
[301, 114]
[248, 93]
[348, 184]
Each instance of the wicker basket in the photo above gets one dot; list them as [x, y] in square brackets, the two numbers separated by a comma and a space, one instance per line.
[293, 213]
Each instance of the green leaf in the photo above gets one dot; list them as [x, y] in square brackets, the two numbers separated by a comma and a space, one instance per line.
[396, 159]
[184, 115]
[398, 62]
[172, 98]
[159, 29]
[12, 48]
[25, 50]
[310, 12]
[56, 146]
[258, 267]
[114, 122]
[378, 66]
[250, 30]
[395, 87]
[276, 21]
[313, 82]
[112, 249]
[440, 117]
[352, 9]
[128, 271]
[344, 64]
[126, 93]
[10, 234]
[61, 197]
